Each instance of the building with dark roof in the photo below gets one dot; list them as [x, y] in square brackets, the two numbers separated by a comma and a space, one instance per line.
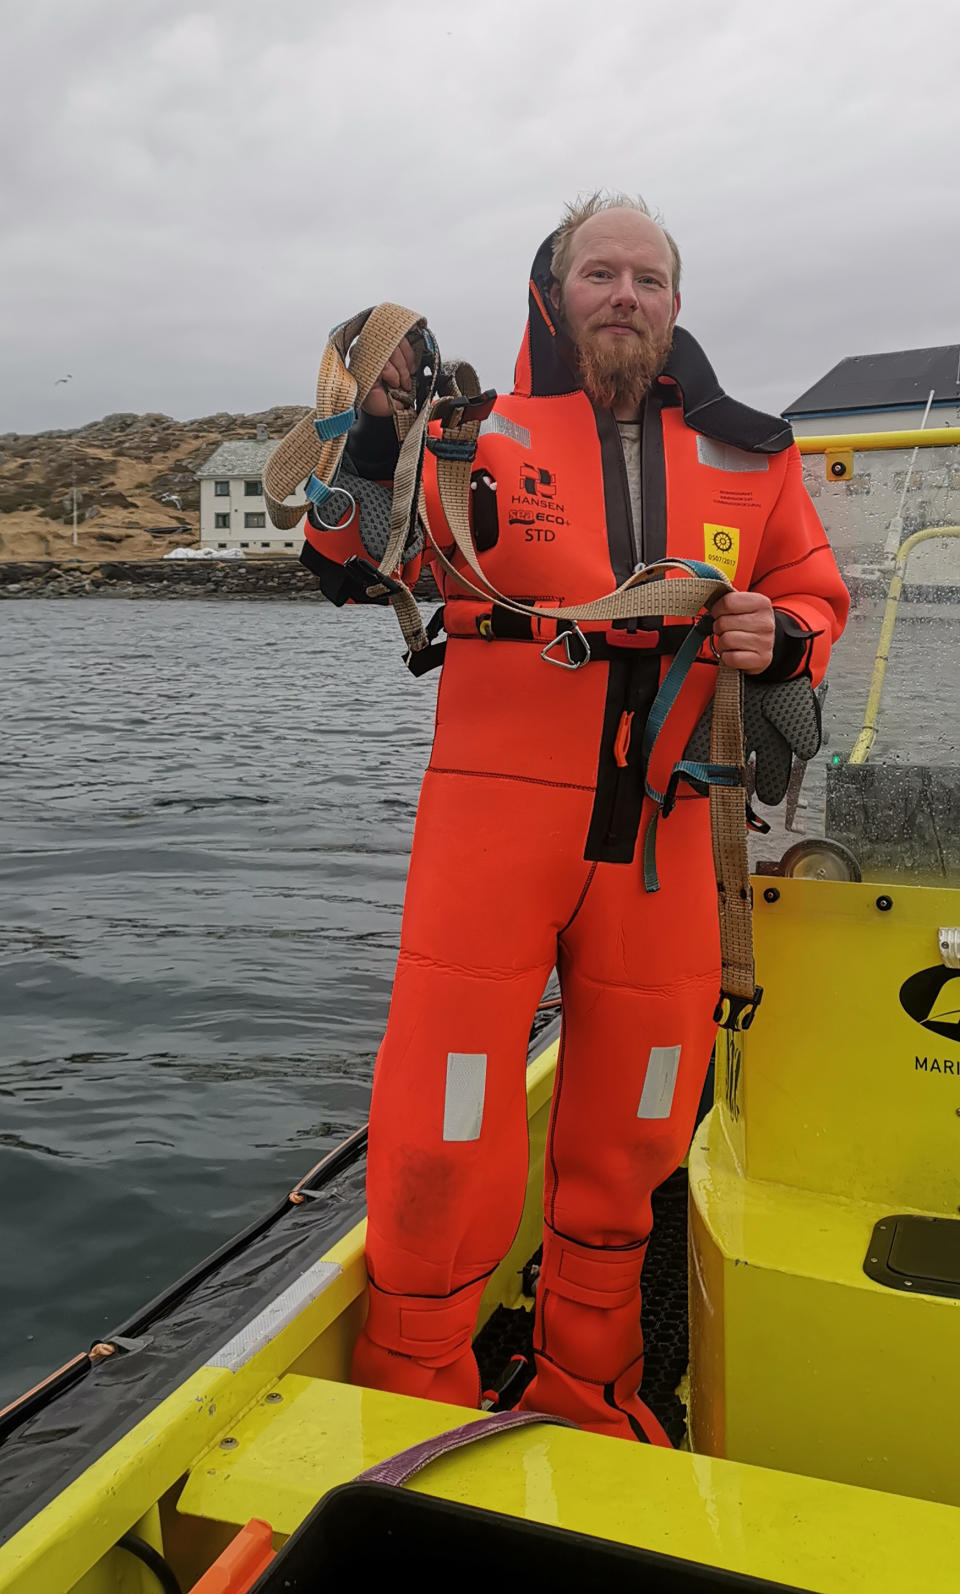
[882, 393]
[233, 513]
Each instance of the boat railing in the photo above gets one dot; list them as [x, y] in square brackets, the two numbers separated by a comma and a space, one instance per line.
[867, 736]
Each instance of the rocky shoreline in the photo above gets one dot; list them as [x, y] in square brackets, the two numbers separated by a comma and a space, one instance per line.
[168, 578]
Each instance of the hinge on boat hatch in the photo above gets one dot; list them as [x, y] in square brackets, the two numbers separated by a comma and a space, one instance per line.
[949, 940]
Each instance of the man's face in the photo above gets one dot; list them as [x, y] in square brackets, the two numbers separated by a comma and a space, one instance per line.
[618, 304]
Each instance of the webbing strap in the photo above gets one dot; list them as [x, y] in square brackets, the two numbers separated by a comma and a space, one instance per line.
[643, 593]
[728, 830]
[313, 448]
[671, 684]
[652, 591]
[398, 1469]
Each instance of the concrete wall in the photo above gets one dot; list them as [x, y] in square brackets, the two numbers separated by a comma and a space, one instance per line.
[252, 540]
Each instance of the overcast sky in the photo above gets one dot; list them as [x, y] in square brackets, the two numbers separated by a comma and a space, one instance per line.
[194, 193]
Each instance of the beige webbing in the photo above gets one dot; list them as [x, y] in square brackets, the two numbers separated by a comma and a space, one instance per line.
[682, 596]
[728, 833]
[645, 593]
[370, 339]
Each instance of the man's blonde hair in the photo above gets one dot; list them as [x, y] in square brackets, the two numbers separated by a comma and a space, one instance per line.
[580, 210]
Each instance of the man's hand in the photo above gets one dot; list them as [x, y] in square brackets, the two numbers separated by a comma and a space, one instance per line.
[398, 372]
[744, 631]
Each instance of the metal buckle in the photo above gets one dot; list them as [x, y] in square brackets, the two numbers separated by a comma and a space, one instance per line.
[564, 639]
[332, 526]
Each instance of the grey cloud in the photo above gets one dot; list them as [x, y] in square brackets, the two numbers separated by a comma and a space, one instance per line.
[195, 193]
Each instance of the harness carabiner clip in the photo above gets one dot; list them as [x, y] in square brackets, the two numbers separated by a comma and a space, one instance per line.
[564, 639]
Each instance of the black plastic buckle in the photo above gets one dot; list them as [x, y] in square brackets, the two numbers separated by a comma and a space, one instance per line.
[737, 1012]
[366, 574]
[455, 410]
[701, 787]
[447, 448]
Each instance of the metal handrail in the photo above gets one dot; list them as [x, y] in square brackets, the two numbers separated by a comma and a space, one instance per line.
[865, 740]
[936, 437]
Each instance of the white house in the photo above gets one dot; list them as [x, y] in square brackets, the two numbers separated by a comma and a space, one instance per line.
[882, 393]
[233, 513]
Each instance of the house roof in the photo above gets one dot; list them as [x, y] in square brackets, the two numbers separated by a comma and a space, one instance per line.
[247, 457]
[901, 379]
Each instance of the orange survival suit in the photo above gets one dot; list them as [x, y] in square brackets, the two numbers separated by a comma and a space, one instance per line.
[525, 857]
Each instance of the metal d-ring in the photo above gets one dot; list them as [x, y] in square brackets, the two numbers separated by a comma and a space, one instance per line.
[332, 526]
[563, 639]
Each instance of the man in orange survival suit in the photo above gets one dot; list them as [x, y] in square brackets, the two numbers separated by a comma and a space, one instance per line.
[616, 447]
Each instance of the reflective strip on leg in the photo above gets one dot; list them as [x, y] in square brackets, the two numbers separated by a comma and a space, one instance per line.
[656, 1098]
[463, 1099]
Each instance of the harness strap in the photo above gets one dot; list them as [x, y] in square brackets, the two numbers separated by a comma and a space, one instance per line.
[651, 591]
[312, 450]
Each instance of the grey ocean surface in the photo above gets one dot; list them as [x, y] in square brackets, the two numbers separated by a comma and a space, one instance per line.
[205, 815]
[206, 812]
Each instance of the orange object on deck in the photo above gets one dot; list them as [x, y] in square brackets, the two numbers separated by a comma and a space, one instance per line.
[244, 1560]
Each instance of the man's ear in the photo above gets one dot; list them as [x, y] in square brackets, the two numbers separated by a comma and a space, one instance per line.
[676, 304]
[555, 293]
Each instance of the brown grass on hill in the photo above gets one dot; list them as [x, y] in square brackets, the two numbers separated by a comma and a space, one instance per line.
[122, 465]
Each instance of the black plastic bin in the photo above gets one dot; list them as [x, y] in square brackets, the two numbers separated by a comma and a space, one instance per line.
[379, 1534]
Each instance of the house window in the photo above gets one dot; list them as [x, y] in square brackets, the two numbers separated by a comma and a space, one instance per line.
[288, 545]
[222, 489]
[253, 489]
[221, 522]
[221, 545]
[244, 545]
[264, 545]
[254, 522]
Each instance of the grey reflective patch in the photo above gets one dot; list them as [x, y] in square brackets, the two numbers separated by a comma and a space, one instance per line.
[506, 428]
[723, 456]
[463, 1101]
[656, 1098]
[281, 1311]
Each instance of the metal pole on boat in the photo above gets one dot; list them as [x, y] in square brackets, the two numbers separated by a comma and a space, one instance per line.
[895, 529]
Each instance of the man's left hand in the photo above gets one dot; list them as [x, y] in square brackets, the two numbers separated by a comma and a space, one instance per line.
[744, 631]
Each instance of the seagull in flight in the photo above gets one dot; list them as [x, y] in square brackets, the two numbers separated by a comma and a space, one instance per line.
[67, 378]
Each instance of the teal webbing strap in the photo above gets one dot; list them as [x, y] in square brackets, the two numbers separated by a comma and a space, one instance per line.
[707, 774]
[670, 687]
[651, 882]
[690, 769]
[330, 426]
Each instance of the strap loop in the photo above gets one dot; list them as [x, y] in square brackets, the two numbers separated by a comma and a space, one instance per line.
[330, 426]
[446, 448]
[319, 493]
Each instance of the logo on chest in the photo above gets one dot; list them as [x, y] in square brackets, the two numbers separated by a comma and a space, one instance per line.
[721, 547]
[534, 505]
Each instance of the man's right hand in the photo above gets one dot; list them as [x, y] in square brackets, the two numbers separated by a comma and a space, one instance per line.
[398, 372]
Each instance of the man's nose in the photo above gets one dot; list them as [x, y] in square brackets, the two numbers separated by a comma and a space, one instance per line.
[624, 291]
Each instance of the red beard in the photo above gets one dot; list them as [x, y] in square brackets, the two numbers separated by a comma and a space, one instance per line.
[616, 372]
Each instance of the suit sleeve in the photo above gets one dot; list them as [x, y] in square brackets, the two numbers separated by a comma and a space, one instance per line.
[796, 570]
